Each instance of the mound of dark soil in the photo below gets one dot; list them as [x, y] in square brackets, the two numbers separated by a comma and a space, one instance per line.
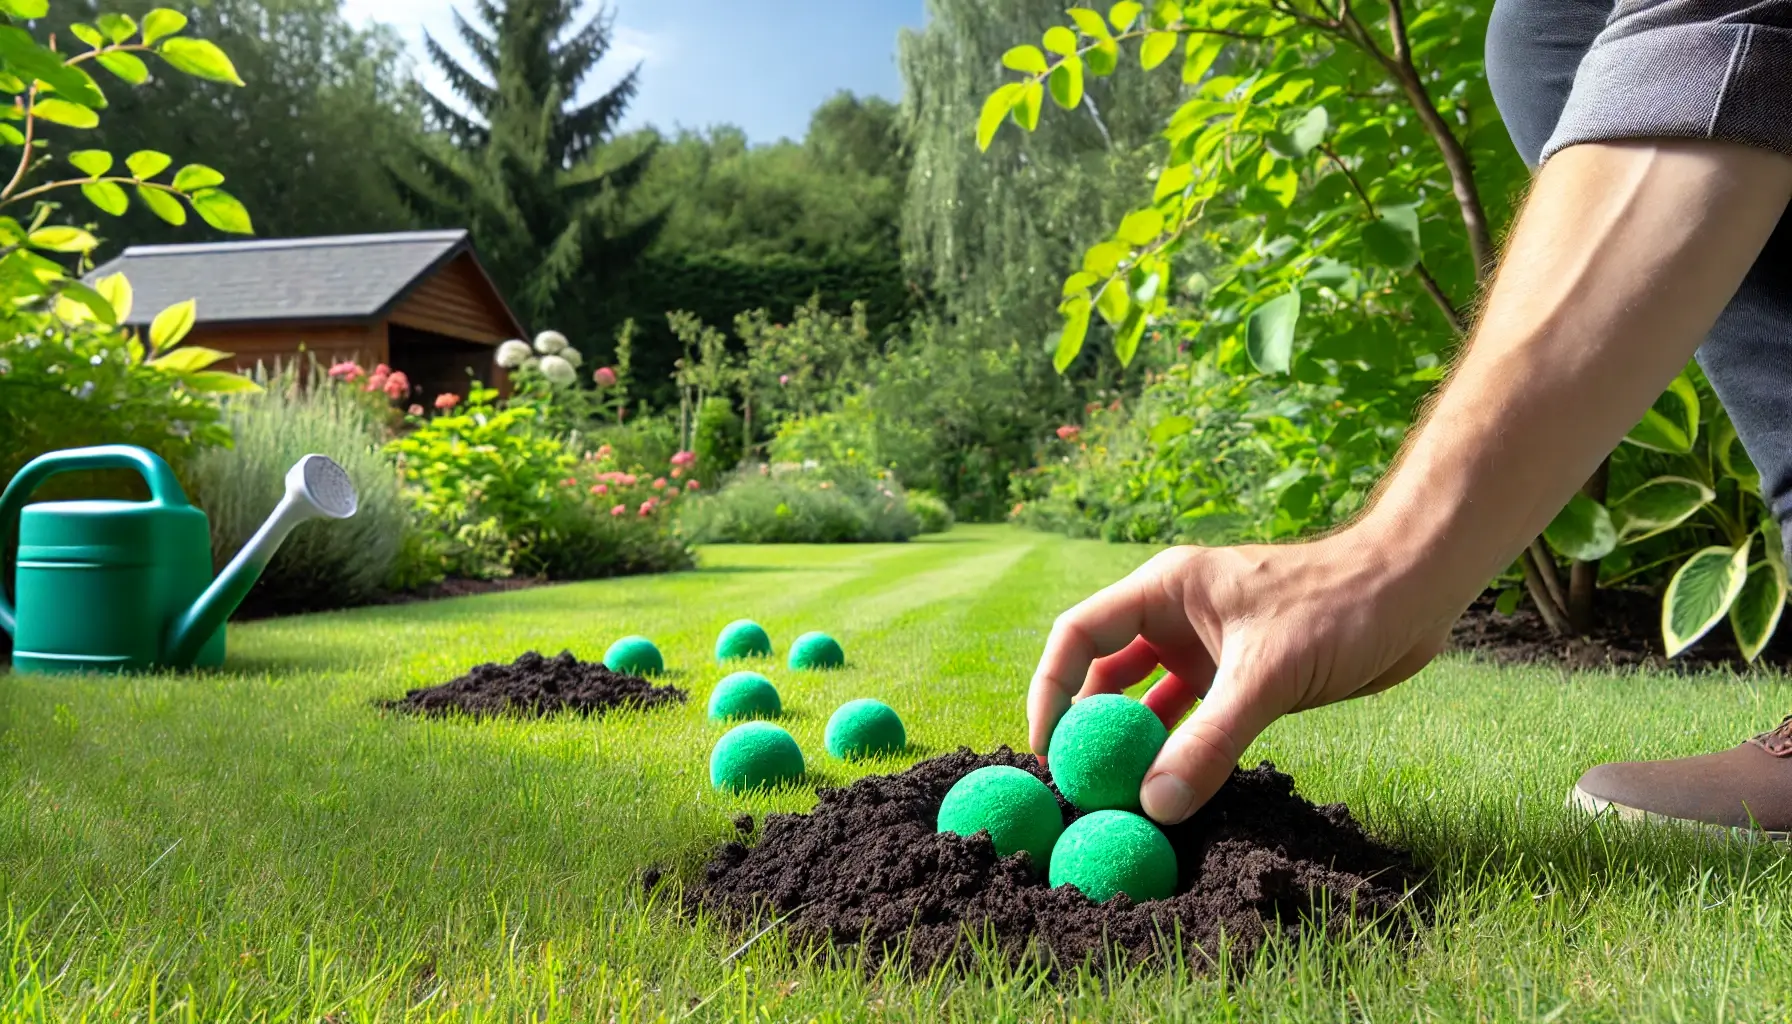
[1627, 633]
[532, 686]
[866, 865]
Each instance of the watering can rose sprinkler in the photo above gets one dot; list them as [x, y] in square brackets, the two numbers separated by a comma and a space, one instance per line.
[118, 586]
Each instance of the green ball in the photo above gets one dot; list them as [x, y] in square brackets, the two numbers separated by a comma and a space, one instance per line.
[865, 728]
[743, 638]
[816, 650]
[1101, 749]
[1112, 852]
[634, 655]
[1017, 810]
[753, 755]
[744, 695]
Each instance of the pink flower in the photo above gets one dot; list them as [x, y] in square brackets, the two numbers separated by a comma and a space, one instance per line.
[397, 385]
[415, 410]
[347, 371]
[447, 400]
[600, 488]
[692, 485]
[571, 481]
[604, 450]
[1069, 432]
[684, 458]
[677, 471]
[605, 377]
[382, 370]
[628, 479]
[783, 379]
[618, 510]
[646, 508]
[660, 484]
[377, 382]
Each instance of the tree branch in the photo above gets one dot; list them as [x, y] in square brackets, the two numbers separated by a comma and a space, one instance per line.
[18, 174]
[1432, 288]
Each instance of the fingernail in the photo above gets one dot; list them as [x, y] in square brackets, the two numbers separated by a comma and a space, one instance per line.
[1167, 799]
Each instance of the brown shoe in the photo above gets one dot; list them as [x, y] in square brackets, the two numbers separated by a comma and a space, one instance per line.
[1749, 787]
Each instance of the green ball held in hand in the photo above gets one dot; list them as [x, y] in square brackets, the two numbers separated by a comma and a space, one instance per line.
[1017, 810]
[816, 650]
[635, 655]
[743, 638]
[744, 695]
[1101, 749]
[865, 728]
[1111, 852]
[754, 755]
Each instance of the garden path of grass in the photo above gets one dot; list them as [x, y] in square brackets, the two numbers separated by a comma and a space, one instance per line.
[263, 844]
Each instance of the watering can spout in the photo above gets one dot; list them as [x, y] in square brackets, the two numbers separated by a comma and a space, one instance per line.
[315, 488]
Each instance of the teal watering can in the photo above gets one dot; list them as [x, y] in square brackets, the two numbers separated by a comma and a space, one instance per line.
[120, 586]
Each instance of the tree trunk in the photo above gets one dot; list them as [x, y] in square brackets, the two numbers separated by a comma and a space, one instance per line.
[1583, 581]
[1545, 590]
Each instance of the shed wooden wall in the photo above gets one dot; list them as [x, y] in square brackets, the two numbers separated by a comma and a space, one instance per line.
[456, 301]
[270, 343]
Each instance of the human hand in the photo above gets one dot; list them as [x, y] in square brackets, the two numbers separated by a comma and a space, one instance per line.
[1251, 633]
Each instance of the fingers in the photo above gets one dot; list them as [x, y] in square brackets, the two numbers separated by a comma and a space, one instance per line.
[1116, 672]
[1170, 697]
[1105, 624]
[1200, 756]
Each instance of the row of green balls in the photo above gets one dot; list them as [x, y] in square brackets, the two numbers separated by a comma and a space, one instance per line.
[759, 753]
[1098, 753]
[742, 638]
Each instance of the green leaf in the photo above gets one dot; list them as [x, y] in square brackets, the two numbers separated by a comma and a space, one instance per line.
[1393, 238]
[160, 24]
[1658, 506]
[194, 177]
[1061, 41]
[163, 205]
[12, 135]
[1103, 58]
[1700, 594]
[1026, 111]
[1731, 456]
[200, 58]
[1329, 273]
[107, 196]
[1103, 259]
[1145, 285]
[221, 210]
[1308, 132]
[172, 324]
[995, 110]
[1582, 531]
[1126, 339]
[1066, 83]
[1113, 303]
[1198, 58]
[1026, 59]
[88, 34]
[1170, 428]
[189, 359]
[27, 59]
[1124, 13]
[1080, 281]
[1672, 424]
[1507, 602]
[25, 9]
[62, 112]
[1174, 179]
[116, 290]
[1269, 333]
[220, 382]
[127, 66]
[118, 27]
[1755, 614]
[1156, 49]
[1141, 227]
[90, 300]
[94, 162]
[1076, 327]
[147, 163]
[61, 238]
[1090, 23]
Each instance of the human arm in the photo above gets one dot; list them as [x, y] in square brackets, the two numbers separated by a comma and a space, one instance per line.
[1623, 258]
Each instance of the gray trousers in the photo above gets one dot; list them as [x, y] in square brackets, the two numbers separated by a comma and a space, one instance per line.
[1569, 71]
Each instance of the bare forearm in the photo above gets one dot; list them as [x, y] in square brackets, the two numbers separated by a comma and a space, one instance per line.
[1623, 259]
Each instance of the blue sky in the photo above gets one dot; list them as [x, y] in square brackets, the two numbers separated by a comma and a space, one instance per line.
[760, 64]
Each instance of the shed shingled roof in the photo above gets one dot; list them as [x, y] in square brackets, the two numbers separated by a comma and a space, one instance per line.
[342, 277]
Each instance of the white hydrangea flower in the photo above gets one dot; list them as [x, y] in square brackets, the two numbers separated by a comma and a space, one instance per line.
[558, 371]
[572, 356]
[550, 343]
[512, 353]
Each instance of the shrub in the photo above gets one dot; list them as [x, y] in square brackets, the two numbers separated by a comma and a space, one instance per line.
[932, 514]
[795, 504]
[323, 564]
[717, 440]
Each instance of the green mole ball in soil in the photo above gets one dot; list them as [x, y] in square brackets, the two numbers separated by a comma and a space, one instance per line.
[865, 728]
[816, 650]
[635, 655]
[743, 638]
[744, 695]
[1017, 810]
[754, 755]
[1101, 749]
[1112, 852]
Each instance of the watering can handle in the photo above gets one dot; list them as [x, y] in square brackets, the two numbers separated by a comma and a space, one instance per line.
[164, 489]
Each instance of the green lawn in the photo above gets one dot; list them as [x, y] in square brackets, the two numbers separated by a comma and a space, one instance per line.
[263, 844]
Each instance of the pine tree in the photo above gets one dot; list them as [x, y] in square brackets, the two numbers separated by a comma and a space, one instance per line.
[524, 168]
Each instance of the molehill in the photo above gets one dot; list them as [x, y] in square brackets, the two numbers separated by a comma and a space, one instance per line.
[867, 865]
[534, 686]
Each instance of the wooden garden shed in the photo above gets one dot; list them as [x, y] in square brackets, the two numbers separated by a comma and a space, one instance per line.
[417, 301]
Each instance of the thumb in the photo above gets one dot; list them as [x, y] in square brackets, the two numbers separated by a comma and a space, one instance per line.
[1200, 755]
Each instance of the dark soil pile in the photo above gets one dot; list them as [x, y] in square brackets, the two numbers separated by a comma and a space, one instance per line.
[1627, 633]
[866, 865]
[532, 686]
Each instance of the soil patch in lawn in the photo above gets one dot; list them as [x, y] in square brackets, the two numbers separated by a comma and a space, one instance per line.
[867, 866]
[1627, 634]
[533, 686]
